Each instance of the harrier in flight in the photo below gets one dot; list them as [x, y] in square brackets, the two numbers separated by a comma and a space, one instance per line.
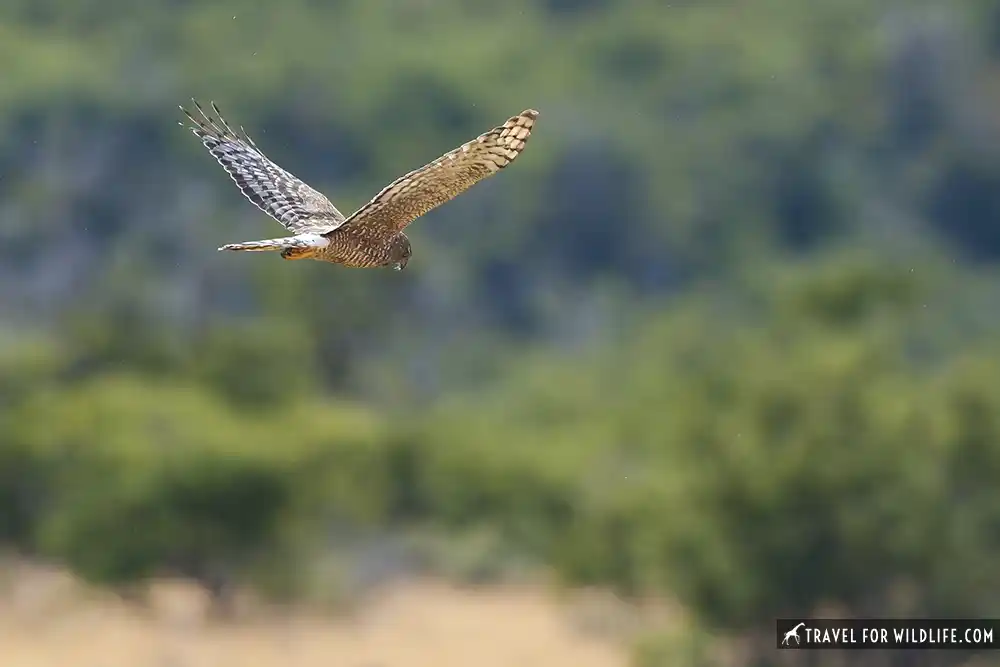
[373, 235]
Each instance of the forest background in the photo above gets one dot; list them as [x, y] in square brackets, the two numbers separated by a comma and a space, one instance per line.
[724, 335]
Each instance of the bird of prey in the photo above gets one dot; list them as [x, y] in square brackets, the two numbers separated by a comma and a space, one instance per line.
[373, 235]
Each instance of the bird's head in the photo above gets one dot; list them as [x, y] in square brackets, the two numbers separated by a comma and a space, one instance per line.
[399, 252]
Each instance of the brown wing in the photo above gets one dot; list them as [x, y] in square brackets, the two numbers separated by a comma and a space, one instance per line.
[272, 189]
[416, 193]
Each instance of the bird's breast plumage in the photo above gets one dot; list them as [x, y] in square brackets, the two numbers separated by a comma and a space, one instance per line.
[356, 248]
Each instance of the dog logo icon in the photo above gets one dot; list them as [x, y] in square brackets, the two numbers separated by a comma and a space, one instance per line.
[794, 632]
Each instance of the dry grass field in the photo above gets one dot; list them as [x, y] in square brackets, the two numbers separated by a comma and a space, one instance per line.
[47, 620]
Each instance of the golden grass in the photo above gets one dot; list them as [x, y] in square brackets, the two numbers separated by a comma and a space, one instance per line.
[47, 620]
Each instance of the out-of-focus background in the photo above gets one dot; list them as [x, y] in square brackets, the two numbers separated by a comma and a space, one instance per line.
[720, 347]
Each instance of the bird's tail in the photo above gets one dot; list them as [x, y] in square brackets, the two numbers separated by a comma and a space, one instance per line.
[291, 247]
[259, 246]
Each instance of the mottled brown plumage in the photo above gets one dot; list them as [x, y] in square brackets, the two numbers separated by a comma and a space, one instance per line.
[372, 236]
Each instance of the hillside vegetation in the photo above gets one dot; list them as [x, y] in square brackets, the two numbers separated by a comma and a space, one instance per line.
[725, 333]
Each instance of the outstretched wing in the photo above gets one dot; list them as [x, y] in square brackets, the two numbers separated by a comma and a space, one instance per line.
[272, 189]
[416, 193]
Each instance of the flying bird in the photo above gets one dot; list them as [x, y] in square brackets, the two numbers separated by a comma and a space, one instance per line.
[373, 235]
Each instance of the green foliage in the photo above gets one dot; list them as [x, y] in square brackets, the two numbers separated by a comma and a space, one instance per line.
[751, 468]
[672, 145]
[680, 644]
[26, 366]
[140, 480]
[257, 364]
[751, 456]
[700, 342]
